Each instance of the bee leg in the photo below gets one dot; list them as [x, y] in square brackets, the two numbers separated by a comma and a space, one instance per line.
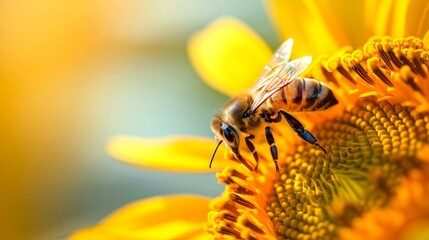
[299, 128]
[242, 160]
[252, 149]
[268, 119]
[270, 139]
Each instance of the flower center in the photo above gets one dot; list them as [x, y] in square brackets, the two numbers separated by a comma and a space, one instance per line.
[370, 147]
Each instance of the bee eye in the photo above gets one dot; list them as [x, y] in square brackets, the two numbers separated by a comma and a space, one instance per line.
[229, 134]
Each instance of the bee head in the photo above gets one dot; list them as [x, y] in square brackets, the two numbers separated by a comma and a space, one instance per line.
[228, 124]
[224, 133]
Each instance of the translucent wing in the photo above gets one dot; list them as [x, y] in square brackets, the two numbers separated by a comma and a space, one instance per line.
[279, 77]
[280, 58]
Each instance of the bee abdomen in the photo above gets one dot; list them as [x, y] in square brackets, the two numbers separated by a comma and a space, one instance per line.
[318, 96]
[304, 95]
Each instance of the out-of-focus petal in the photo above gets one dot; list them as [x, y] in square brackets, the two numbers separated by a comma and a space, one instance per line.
[426, 39]
[397, 18]
[311, 23]
[417, 18]
[228, 55]
[166, 217]
[376, 16]
[175, 153]
[386, 17]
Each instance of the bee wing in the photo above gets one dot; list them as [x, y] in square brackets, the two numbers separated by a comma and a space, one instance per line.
[280, 58]
[280, 77]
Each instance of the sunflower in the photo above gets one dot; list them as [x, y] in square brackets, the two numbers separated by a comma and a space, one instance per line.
[375, 175]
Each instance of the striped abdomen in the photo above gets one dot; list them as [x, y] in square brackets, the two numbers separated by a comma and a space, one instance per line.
[303, 95]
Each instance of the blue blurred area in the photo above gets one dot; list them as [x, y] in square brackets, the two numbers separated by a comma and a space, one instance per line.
[140, 84]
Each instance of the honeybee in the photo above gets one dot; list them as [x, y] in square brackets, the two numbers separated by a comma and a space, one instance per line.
[278, 91]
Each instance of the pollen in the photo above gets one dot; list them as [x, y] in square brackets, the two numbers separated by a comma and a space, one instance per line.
[374, 137]
[389, 69]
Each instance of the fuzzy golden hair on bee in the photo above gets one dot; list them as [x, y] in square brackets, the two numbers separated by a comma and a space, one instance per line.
[218, 116]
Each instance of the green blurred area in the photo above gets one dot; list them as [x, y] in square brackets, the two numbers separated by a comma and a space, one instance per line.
[73, 74]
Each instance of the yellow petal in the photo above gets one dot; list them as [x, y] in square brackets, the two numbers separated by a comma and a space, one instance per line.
[312, 24]
[166, 217]
[179, 153]
[376, 16]
[228, 55]
[426, 39]
[397, 18]
[417, 18]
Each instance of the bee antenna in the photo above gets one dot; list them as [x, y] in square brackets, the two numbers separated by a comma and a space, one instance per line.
[214, 153]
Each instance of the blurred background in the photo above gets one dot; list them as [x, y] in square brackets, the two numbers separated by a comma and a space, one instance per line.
[73, 74]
